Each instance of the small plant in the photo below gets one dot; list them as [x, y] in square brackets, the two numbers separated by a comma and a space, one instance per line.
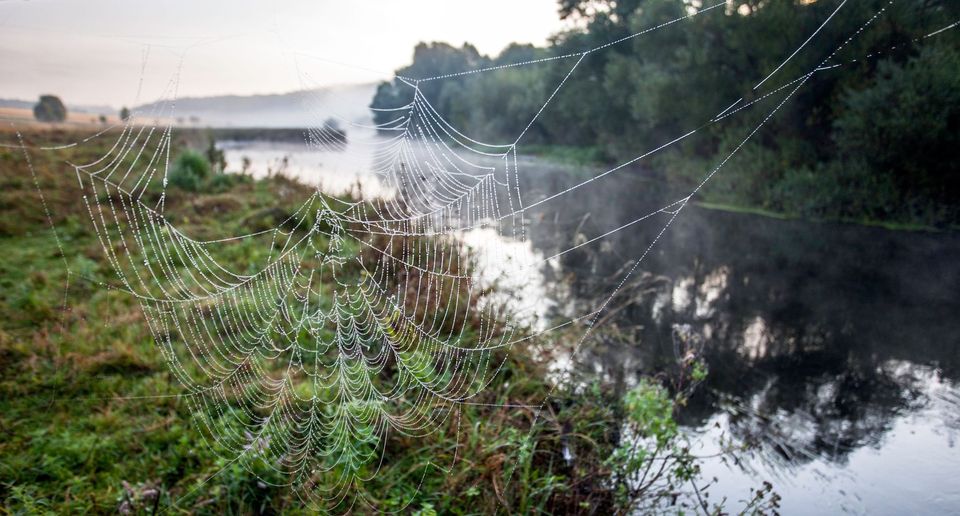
[190, 171]
[216, 158]
[136, 499]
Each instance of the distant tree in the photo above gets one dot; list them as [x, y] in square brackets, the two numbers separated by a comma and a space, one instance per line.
[216, 158]
[103, 119]
[331, 124]
[519, 52]
[124, 113]
[50, 109]
[429, 60]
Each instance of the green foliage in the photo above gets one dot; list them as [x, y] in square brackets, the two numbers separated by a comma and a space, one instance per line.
[869, 140]
[190, 171]
[905, 126]
[650, 409]
[50, 109]
[505, 95]
[653, 461]
[94, 424]
[426, 509]
[428, 60]
[581, 156]
[124, 113]
[195, 172]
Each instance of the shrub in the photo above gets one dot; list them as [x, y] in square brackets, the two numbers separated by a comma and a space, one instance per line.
[222, 182]
[905, 126]
[190, 171]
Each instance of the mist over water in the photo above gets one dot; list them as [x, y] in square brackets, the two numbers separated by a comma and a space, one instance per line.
[832, 350]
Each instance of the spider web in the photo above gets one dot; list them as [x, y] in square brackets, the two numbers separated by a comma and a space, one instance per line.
[365, 317]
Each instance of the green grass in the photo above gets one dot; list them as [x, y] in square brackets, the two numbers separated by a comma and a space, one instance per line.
[92, 421]
[893, 226]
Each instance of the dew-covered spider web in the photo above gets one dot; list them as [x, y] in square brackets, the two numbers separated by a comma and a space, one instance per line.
[365, 317]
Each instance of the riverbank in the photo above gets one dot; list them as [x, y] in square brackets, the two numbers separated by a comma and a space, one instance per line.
[732, 198]
[96, 421]
[892, 226]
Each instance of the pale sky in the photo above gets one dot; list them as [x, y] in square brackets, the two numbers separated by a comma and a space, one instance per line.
[93, 51]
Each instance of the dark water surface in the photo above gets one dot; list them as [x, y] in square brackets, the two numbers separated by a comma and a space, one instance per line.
[833, 350]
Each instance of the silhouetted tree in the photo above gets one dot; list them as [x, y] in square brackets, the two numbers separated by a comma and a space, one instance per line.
[50, 109]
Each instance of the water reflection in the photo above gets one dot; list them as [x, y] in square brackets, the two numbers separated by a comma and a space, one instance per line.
[830, 347]
[834, 350]
[336, 172]
[496, 260]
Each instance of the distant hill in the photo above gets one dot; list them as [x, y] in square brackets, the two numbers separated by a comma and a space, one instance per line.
[305, 108]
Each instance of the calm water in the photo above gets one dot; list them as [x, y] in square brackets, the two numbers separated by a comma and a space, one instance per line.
[833, 350]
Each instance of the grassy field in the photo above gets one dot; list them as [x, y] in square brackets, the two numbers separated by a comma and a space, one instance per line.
[93, 421]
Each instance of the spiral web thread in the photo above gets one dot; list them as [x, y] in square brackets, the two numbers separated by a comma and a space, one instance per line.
[283, 364]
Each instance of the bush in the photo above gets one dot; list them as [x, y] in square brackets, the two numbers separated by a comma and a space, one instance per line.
[222, 182]
[905, 127]
[190, 171]
[50, 109]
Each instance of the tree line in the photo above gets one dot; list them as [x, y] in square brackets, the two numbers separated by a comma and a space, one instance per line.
[872, 139]
[50, 109]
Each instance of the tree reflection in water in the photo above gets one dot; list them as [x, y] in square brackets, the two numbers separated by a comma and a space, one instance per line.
[818, 336]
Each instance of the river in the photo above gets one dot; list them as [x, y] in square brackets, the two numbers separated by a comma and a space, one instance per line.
[833, 350]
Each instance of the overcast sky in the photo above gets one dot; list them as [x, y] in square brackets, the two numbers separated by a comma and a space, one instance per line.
[93, 51]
